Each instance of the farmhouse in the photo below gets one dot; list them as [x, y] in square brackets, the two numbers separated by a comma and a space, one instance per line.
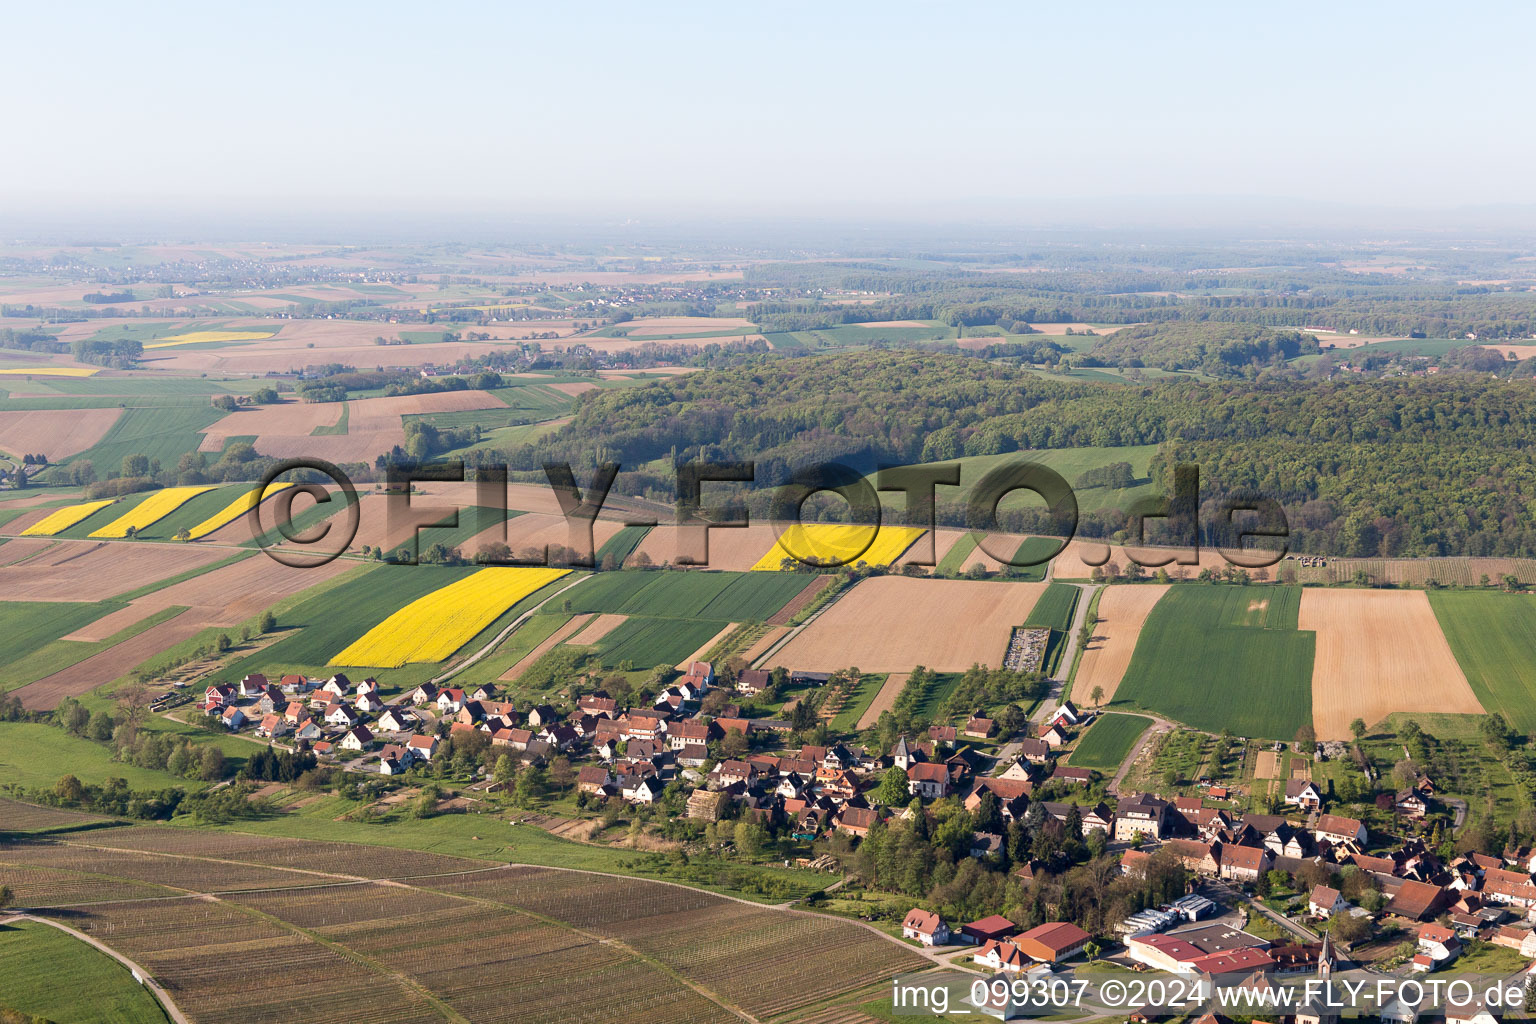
[979, 728]
[926, 927]
[1002, 956]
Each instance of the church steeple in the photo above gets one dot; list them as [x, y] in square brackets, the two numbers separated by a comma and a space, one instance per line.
[1325, 957]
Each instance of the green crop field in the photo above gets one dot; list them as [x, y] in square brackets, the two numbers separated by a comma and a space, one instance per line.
[163, 432]
[330, 621]
[35, 958]
[1055, 607]
[954, 559]
[648, 642]
[1108, 740]
[32, 627]
[1032, 550]
[1219, 657]
[1492, 636]
[717, 596]
[622, 544]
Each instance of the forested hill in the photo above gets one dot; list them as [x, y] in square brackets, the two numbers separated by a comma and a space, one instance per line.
[1438, 465]
[1220, 349]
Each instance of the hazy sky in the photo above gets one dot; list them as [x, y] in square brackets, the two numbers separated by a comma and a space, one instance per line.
[613, 108]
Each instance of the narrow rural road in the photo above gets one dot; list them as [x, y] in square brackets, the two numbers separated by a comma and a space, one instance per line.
[171, 1009]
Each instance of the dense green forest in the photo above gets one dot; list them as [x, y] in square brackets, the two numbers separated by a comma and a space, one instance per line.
[1394, 466]
[1220, 349]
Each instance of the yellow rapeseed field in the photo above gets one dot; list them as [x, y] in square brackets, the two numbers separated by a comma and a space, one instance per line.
[52, 371]
[150, 511]
[432, 627]
[198, 337]
[829, 541]
[62, 519]
[234, 510]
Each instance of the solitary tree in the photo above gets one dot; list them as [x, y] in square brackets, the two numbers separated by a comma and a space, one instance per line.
[1358, 728]
[1097, 693]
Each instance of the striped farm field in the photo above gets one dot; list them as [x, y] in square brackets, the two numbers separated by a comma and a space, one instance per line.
[432, 627]
[51, 371]
[62, 519]
[205, 337]
[150, 511]
[234, 510]
[1108, 740]
[822, 543]
[717, 596]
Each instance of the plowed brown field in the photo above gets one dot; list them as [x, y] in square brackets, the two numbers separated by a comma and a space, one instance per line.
[893, 623]
[1122, 610]
[1379, 651]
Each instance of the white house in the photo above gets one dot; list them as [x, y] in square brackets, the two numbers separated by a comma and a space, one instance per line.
[422, 746]
[1325, 902]
[357, 738]
[926, 927]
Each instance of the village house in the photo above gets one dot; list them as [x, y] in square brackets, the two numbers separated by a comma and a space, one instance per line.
[1002, 956]
[357, 738]
[1073, 776]
[422, 747]
[979, 728]
[599, 704]
[369, 703]
[369, 685]
[295, 713]
[1141, 814]
[1303, 793]
[337, 686]
[752, 681]
[1244, 863]
[218, 696]
[945, 734]
[253, 685]
[234, 718]
[340, 714]
[449, 702]
[857, 821]
[1439, 944]
[593, 780]
[426, 693]
[929, 781]
[926, 927]
[1339, 831]
[307, 731]
[397, 720]
[272, 726]
[1325, 902]
[1052, 735]
[1034, 750]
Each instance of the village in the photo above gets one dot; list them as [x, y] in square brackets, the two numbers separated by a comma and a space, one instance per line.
[1256, 895]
